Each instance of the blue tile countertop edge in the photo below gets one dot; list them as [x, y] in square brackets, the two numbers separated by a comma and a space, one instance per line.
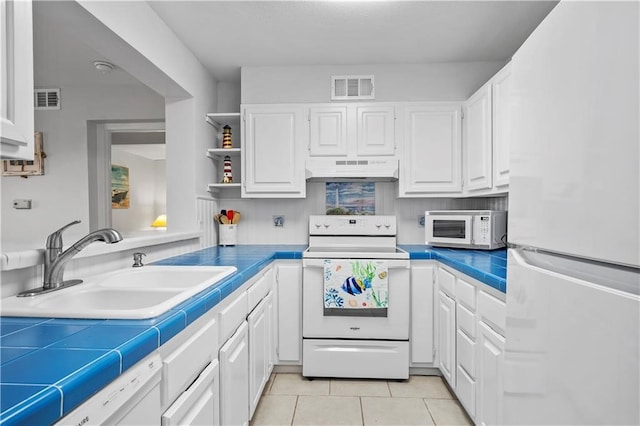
[50, 366]
[487, 266]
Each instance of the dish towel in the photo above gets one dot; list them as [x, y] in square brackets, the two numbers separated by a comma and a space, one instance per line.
[355, 287]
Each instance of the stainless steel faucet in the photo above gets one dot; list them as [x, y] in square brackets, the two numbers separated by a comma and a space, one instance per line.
[55, 259]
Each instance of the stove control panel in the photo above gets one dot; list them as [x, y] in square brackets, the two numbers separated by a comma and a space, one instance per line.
[352, 225]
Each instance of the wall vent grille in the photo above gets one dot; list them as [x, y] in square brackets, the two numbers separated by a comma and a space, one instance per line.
[345, 87]
[47, 98]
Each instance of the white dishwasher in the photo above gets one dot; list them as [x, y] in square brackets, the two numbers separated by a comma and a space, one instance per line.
[131, 399]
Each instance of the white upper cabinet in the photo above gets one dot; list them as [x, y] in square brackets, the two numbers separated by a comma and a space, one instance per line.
[502, 104]
[328, 131]
[477, 140]
[376, 130]
[354, 130]
[431, 158]
[273, 142]
[16, 75]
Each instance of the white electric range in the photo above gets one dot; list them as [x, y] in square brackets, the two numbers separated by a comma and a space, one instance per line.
[356, 299]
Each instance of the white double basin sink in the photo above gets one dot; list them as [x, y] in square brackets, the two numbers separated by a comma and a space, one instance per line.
[135, 293]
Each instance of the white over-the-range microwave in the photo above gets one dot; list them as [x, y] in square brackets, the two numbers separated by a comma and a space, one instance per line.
[476, 229]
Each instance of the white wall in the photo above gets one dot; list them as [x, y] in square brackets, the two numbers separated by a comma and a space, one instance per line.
[160, 178]
[61, 195]
[228, 97]
[131, 35]
[413, 82]
[257, 226]
[163, 62]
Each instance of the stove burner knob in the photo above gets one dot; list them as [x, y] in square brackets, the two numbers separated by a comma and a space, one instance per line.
[387, 225]
[326, 225]
[378, 225]
[318, 226]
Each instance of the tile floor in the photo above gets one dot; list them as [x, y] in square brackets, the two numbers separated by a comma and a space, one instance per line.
[290, 399]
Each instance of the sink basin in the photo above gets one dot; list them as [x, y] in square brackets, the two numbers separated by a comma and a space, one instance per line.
[125, 294]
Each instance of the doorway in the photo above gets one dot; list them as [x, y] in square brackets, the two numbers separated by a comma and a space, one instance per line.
[135, 151]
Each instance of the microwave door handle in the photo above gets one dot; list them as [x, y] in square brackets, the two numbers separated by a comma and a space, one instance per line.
[471, 230]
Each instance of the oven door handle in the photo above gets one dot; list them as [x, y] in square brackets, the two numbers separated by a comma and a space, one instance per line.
[390, 263]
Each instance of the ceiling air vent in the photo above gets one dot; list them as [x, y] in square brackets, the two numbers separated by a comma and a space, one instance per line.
[47, 98]
[344, 87]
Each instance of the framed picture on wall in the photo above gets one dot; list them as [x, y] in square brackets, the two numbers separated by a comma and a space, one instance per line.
[26, 168]
[119, 187]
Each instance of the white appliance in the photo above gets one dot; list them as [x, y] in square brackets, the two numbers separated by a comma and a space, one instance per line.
[368, 341]
[362, 169]
[572, 353]
[476, 229]
[131, 399]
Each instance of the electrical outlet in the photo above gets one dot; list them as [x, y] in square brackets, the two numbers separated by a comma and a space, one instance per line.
[421, 221]
[278, 221]
[21, 204]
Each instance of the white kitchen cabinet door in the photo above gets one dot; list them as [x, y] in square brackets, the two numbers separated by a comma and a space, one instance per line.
[478, 172]
[501, 103]
[490, 376]
[16, 76]
[447, 338]
[274, 144]
[327, 131]
[198, 405]
[431, 151]
[289, 284]
[234, 378]
[272, 320]
[258, 353]
[421, 338]
[376, 130]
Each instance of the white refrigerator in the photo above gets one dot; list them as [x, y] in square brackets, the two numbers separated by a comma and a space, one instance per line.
[572, 353]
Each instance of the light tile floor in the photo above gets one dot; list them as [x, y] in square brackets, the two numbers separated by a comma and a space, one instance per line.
[290, 399]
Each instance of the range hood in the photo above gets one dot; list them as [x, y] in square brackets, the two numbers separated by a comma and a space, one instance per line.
[367, 169]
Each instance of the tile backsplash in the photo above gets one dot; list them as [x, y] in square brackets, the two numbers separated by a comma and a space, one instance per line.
[257, 225]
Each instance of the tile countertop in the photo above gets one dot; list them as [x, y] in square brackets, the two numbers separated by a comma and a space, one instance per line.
[487, 266]
[50, 366]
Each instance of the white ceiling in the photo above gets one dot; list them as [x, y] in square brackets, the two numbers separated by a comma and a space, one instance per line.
[63, 60]
[227, 35]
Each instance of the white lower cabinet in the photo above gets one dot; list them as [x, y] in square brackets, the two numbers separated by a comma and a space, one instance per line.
[470, 344]
[246, 359]
[490, 375]
[234, 378]
[200, 403]
[289, 313]
[189, 386]
[422, 313]
[447, 337]
[259, 350]
[465, 372]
